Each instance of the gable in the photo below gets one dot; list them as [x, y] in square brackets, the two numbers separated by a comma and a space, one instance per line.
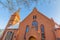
[35, 23]
[36, 12]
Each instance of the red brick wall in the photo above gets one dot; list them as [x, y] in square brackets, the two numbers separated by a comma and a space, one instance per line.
[58, 33]
[41, 19]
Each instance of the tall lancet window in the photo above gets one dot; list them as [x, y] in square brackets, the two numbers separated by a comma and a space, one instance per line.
[9, 35]
[42, 32]
[27, 28]
[35, 24]
[26, 31]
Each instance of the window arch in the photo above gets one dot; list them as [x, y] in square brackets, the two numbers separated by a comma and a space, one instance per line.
[9, 35]
[42, 32]
[35, 24]
[32, 38]
[42, 28]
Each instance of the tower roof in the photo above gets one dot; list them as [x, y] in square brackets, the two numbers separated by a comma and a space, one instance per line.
[15, 18]
[17, 13]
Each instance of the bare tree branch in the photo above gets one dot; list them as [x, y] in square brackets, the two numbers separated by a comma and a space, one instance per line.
[10, 5]
[3, 4]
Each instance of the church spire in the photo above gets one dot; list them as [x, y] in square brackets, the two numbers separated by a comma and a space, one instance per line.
[14, 19]
[17, 11]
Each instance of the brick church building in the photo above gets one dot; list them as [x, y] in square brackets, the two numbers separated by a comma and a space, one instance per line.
[35, 26]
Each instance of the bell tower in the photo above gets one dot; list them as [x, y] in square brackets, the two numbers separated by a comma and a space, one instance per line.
[13, 21]
[15, 18]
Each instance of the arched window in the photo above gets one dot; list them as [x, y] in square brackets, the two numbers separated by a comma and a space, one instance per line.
[35, 24]
[42, 28]
[27, 28]
[42, 33]
[9, 35]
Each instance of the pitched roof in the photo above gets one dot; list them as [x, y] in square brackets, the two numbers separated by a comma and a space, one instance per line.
[35, 10]
[57, 26]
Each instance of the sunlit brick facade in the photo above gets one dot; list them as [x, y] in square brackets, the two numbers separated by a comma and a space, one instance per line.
[35, 26]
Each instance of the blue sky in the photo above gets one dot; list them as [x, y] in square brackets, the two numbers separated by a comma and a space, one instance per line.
[51, 10]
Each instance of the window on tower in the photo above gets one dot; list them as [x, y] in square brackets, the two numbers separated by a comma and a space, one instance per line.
[9, 35]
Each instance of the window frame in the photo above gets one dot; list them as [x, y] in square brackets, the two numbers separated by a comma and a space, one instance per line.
[34, 16]
[27, 28]
[35, 24]
[9, 35]
[42, 32]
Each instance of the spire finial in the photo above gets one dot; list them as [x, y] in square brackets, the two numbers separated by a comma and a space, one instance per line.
[18, 10]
